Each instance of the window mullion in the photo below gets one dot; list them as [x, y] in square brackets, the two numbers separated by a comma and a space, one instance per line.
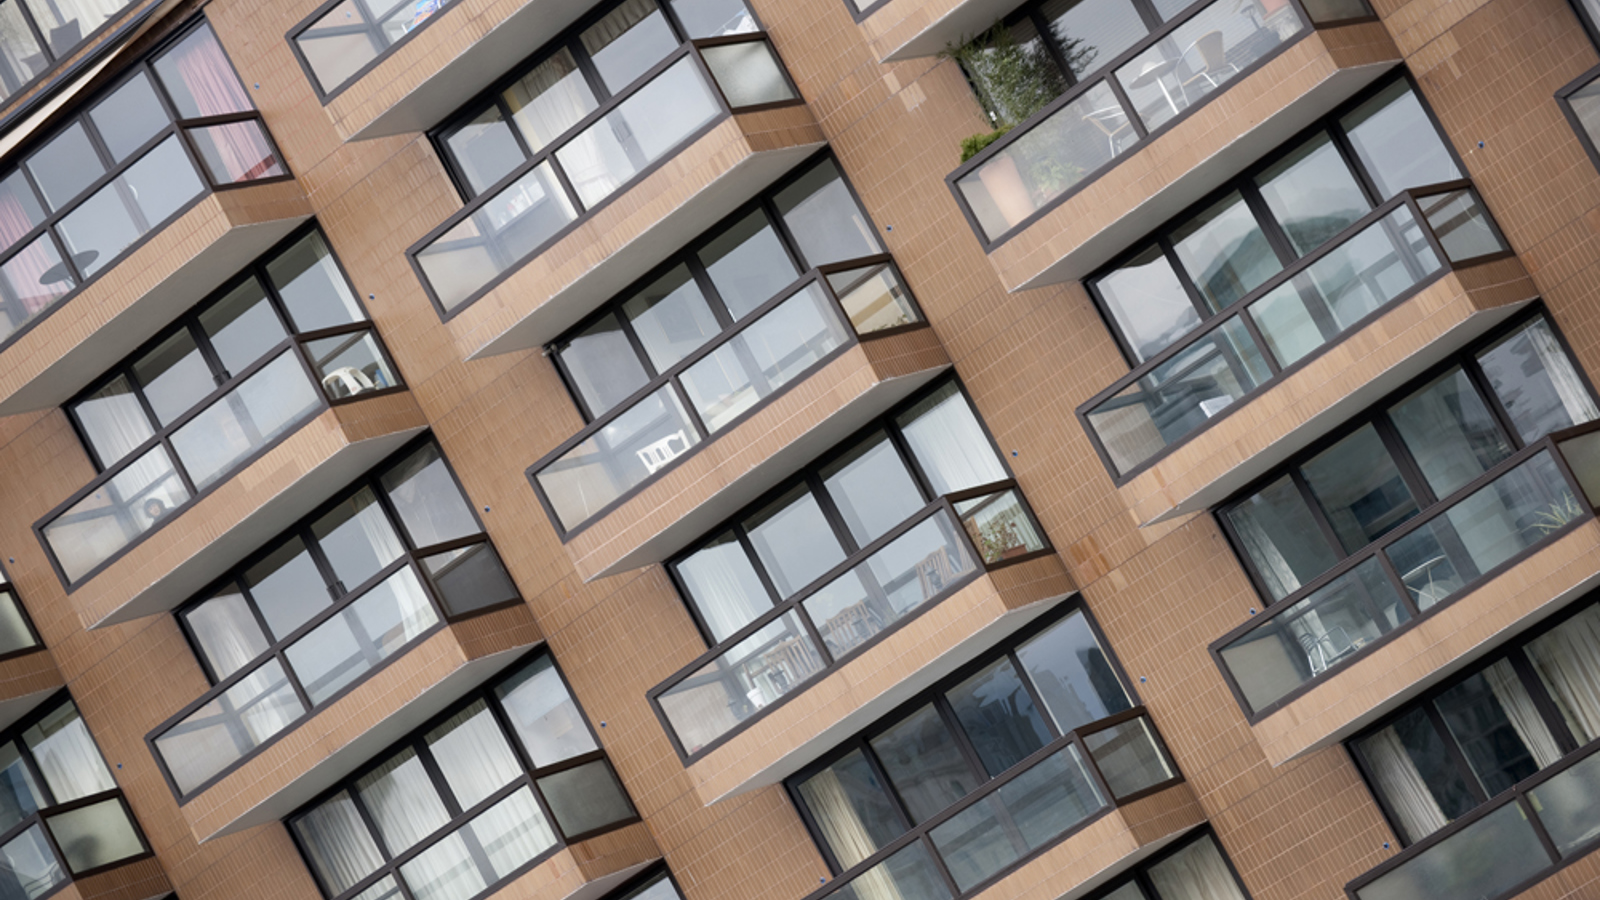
[1459, 759]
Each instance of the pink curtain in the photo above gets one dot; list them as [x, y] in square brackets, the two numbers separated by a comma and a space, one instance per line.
[24, 269]
[240, 147]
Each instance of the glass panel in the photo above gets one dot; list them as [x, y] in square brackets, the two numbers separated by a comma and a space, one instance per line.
[499, 233]
[101, 227]
[1070, 671]
[263, 406]
[949, 443]
[95, 528]
[19, 795]
[1129, 757]
[95, 835]
[226, 632]
[128, 118]
[671, 318]
[1312, 194]
[641, 129]
[402, 800]
[28, 868]
[747, 264]
[1180, 395]
[1317, 633]
[1415, 774]
[19, 207]
[20, 55]
[357, 538]
[1147, 303]
[236, 152]
[922, 759]
[763, 357]
[1536, 381]
[630, 448]
[1198, 57]
[1397, 143]
[747, 677]
[1569, 806]
[1462, 225]
[1279, 533]
[67, 755]
[112, 421]
[350, 364]
[1485, 859]
[907, 875]
[430, 505]
[1498, 729]
[174, 377]
[1225, 252]
[1564, 657]
[1092, 33]
[794, 541]
[65, 166]
[888, 585]
[473, 755]
[1049, 159]
[547, 101]
[1450, 432]
[1000, 526]
[1326, 12]
[227, 728]
[873, 298]
[722, 583]
[602, 366]
[34, 277]
[287, 587]
[1585, 104]
[484, 149]
[1359, 488]
[341, 848]
[713, 18]
[999, 717]
[827, 224]
[499, 841]
[543, 714]
[627, 42]
[385, 888]
[469, 579]
[198, 77]
[851, 808]
[14, 633]
[361, 636]
[872, 488]
[337, 45]
[1197, 872]
[585, 799]
[749, 73]
[1012, 72]
[312, 287]
[242, 326]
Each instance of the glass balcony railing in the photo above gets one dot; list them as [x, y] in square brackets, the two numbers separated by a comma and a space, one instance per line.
[1529, 499]
[700, 84]
[929, 556]
[1388, 254]
[782, 341]
[1039, 802]
[1504, 846]
[1161, 79]
[243, 417]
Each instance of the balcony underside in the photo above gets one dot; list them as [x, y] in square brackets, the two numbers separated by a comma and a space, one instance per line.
[637, 230]
[449, 61]
[733, 468]
[249, 508]
[1350, 376]
[587, 870]
[1436, 647]
[126, 305]
[330, 742]
[25, 682]
[871, 684]
[1159, 179]
[906, 29]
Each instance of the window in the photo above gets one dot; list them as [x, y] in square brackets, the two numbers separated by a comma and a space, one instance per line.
[17, 635]
[135, 147]
[1195, 869]
[1206, 260]
[345, 38]
[1405, 507]
[990, 766]
[634, 76]
[36, 35]
[1580, 100]
[354, 585]
[61, 813]
[861, 540]
[753, 306]
[655, 884]
[243, 368]
[469, 801]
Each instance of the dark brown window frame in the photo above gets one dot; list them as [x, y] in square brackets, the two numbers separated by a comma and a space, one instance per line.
[807, 476]
[1563, 99]
[8, 588]
[294, 343]
[411, 557]
[1426, 513]
[1140, 874]
[64, 67]
[326, 96]
[416, 739]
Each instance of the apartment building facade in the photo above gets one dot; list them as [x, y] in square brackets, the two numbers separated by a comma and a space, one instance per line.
[799, 449]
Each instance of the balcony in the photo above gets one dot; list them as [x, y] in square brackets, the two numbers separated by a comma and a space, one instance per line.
[1119, 153]
[28, 673]
[1502, 552]
[1394, 293]
[141, 879]
[571, 227]
[1083, 809]
[258, 746]
[797, 375]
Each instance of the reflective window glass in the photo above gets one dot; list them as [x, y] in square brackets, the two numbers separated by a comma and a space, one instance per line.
[65, 166]
[671, 318]
[174, 377]
[226, 631]
[424, 493]
[1225, 252]
[473, 755]
[1360, 489]
[404, 805]
[999, 717]
[949, 443]
[852, 808]
[485, 149]
[1497, 727]
[602, 365]
[1536, 381]
[872, 488]
[824, 218]
[312, 287]
[923, 761]
[1450, 432]
[1397, 143]
[1092, 33]
[544, 715]
[793, 540]
[627, 42]
[287, 587]
[747, 264]
[1280, 534]
[1072, 674]
[242, 326]
[1312, 194]
[723, 586]
[130, 117]
[113, 421]
[1412, 770]
[1147, 302]
[549, 100]
[357, 538]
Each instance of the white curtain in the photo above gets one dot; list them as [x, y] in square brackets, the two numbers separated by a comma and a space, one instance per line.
[376, 529]
[549, 100]
[724, 587]
[1568, 660]
[1568, 386]
[1524, 716]
[113, 421]
[67, 755]
[1263, 550]
[227, 632]
[341, 848]
[1402, 785]
[473, 755]
[512, 832]
[403, 802]
[1197, 872]
[950, 444]
[841, 826]
[616, 23]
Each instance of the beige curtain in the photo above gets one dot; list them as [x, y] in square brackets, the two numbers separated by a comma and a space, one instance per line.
[1568, 660]
[1402, 786]
[1569, 387]
[1524, 716]
[846, 834]
[1197, 872]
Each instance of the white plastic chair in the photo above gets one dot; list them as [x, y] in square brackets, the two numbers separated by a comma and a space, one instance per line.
[346, 382]
[658, 454]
